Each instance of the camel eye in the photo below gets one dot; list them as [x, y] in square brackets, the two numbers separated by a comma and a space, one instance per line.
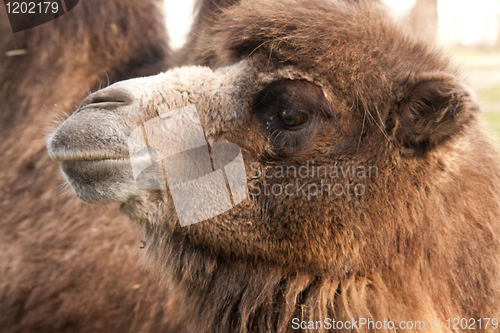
[292, 119]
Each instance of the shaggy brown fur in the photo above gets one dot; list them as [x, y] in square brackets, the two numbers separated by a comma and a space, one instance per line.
[206, 12]
[65, 267]
[423, 243]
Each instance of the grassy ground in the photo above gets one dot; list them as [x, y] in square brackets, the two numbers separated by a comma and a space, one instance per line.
[481, 69]
[493, 119]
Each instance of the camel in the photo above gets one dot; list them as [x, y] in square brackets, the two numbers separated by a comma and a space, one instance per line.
[66, 267]
[318, 85]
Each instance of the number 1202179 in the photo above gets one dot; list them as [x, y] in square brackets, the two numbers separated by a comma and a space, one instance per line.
[32, 7]
[472, 324]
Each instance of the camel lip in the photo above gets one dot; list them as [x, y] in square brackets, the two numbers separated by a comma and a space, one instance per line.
[70, 160]
[66, 151]
[65, 157]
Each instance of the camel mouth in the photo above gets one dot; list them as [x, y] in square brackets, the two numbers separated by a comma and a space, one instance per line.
[95, 165]
[89, 156]
[100, 181]
[94, 162]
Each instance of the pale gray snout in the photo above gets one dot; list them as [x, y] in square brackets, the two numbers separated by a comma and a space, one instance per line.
[96, 130]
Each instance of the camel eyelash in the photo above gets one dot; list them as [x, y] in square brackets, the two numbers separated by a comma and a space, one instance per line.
[280, 137]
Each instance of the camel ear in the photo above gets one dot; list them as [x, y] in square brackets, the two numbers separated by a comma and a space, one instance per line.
[435, 107]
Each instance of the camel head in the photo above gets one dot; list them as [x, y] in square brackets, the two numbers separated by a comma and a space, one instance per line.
[331, 112]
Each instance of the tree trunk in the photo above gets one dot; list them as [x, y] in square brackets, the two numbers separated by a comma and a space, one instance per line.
[425, 19]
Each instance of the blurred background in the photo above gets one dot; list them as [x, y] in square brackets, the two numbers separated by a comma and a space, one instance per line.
[469, 31]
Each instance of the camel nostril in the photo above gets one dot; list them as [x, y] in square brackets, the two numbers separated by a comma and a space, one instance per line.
[107, 99]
